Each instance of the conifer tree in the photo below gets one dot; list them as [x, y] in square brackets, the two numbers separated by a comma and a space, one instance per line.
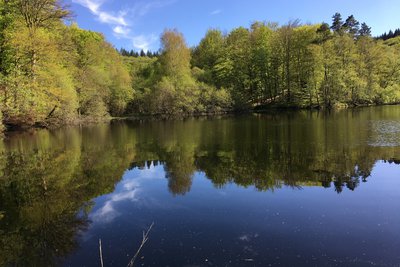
[337, 23]
[365, 30]
[351, 25]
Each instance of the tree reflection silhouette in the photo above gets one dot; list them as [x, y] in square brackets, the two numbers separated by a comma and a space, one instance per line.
[48, 178]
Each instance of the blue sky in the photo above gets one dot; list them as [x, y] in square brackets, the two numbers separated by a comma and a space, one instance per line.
[137, 24]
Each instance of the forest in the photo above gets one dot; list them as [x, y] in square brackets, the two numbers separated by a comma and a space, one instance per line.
[52, 72]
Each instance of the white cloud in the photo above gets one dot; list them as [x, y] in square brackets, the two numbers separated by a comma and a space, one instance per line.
[216, 12]
[107, 212]
[130, 185]
[143, 42]
[121, 27]
[92, 5]
[129, 190]
[110, 19]
[105, 17]
[122, 31]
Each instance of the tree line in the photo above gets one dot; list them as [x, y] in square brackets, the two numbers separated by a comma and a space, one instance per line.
[301, 65]
[391, 34]
[133, 53]
[52, 72]
[294, 65]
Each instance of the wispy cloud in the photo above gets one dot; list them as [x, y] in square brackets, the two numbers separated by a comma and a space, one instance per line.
[216, 12]
[128, 190]
[122, 31]
[143, 41]
[103, 16]
[123, 20]
[92, 5]
[108, 211]
[141, 9]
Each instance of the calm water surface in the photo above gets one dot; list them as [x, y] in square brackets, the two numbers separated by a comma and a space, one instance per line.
[284, 189]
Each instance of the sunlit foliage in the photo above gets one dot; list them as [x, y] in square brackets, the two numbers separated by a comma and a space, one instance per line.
[53, 73]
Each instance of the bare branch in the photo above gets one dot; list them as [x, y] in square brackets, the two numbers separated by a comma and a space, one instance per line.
[144, 240]
[101, 254]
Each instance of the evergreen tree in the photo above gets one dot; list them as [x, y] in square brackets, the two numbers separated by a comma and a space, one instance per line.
[124, 52]
[383, 36]
[337, 23]
[351, 25]
[365, 30]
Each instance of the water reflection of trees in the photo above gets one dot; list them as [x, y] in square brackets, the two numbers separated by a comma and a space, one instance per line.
[269, 151]
[47, 179]
[271, 173]
[46, 183]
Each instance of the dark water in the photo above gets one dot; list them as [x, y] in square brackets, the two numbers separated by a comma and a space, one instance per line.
[287, 189]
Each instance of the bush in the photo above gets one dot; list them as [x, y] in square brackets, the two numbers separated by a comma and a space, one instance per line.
[214, 100]
[96, 109]
[163, 100]
[391, 94]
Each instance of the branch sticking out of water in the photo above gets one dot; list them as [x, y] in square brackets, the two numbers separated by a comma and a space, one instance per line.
[144, 240]
[101, 254]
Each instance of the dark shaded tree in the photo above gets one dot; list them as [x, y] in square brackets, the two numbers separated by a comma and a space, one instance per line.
[351, 25]
[337, 23]
[365, 30]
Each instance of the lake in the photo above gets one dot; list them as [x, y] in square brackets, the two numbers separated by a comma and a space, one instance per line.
[276, 189]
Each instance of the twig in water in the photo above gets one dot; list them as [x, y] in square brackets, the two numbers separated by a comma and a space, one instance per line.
[101, 254]
[144, 240]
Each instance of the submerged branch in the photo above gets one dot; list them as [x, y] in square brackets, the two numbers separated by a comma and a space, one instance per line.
[144, 240]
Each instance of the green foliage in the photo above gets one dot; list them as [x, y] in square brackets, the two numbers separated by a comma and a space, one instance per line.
[292, 65]
[168, 86]
[175, 56]
[301, 65]
[393, 41]
[213, 100]
[207, 53]
[52, 73]
[102, 79]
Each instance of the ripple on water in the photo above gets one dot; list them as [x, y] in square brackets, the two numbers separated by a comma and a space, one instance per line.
[385, 133]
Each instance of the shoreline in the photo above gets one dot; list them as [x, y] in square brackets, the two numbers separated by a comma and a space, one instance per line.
[7, 129]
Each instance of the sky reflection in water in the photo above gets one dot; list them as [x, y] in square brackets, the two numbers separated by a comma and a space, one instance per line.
[280, 189]
[237, 226]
